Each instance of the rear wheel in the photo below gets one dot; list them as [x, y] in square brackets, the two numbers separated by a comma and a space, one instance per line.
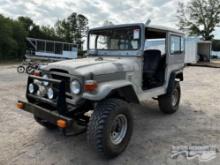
[20, 69]
[169, 103]
[45, 123]
[110, 127]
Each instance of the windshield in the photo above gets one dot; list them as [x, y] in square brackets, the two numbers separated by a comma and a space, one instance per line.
[127, 38]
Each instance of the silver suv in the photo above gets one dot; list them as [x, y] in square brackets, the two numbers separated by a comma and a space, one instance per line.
[125, 64]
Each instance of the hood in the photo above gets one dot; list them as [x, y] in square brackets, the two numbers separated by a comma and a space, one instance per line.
[95, 65]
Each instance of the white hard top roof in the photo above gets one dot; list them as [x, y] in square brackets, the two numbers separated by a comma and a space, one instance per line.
[164, 28]
[156, 27]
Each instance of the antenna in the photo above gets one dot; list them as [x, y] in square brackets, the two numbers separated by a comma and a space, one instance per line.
[148, 22]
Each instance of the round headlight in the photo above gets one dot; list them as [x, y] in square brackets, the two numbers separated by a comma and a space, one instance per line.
[31, 88]
[45, 83]
[50, 93]
[75, 87]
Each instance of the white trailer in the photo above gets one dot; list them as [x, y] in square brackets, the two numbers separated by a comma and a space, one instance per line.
[195, 49]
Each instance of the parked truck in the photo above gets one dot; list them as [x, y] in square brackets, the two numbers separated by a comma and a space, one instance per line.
[94, 93]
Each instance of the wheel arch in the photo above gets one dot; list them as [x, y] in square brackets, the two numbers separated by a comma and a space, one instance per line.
[176, 75]
[122, 89]
[126, 93]
[179, 76]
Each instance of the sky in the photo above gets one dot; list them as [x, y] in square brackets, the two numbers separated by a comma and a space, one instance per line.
[47, 12]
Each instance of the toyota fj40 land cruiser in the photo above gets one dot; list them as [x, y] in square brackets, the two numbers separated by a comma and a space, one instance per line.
[125, 64]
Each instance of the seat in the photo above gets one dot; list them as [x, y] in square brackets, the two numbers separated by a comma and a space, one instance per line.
[152, 60]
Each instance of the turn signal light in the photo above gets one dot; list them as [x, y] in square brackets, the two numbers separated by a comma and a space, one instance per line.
[90, 85]
[61, 123]
[20, 105]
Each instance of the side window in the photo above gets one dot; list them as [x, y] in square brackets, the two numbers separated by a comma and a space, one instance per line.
[177, 45]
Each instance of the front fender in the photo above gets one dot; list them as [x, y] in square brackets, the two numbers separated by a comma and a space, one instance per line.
[175, 75]
[105, 88]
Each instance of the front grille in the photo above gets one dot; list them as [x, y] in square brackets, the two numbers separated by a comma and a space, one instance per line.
[66, 80]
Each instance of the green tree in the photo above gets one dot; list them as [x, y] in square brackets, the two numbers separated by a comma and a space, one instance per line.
[82, 29]
[63, 30]
[12, 40]
[6, 40]
[19, 35]
[27, 23]
[73, 29]
[33, 30]
[49, 32]
[199, 17]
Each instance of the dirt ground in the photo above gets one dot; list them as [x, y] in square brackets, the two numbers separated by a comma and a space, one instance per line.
[213, 64]
[216, 61]
[22, 141]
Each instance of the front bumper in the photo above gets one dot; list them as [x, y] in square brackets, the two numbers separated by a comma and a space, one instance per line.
[50, 116]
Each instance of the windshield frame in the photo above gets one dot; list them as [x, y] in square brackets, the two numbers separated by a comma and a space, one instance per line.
[118, 52]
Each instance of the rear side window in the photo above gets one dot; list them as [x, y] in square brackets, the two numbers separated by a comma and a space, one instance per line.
[177, 45]
[159, 44]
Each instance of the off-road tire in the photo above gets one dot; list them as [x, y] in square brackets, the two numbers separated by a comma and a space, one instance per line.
[100, 126]
[20, 69]
[45, 123]
[166, 101]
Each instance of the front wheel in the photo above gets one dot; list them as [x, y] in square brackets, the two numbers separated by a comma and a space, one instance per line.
[110, 127]
[169, 103]
[29, 70]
